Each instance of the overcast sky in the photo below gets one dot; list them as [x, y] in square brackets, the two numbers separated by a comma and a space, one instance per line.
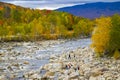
[51, 4]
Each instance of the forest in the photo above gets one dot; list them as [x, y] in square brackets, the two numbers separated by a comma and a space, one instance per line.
[25, 24]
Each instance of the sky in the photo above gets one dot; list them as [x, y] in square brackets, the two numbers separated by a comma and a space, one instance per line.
[51, 4]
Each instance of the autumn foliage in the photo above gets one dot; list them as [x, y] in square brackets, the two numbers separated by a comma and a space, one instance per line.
[18, 23]
[101, 35]
[106, 36]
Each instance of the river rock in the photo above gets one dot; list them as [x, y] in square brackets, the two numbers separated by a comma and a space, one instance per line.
[12, 76]
[2, 77]
[39, 57]
[66, 77]
[26, 62]
[74, 75]
[109, 78]
[49, 74]
[47, 66]
[2, 54]
[53, 66]
[118, 78]
[2, 69]
[108, 74]
[93, 78]
[28, 74]
[81, 72]
[35, 76]
[10, 68]
[54, 58]
[98, 71]
[15, 64]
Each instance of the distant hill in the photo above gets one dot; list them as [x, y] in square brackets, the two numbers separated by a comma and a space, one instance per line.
[93, 10]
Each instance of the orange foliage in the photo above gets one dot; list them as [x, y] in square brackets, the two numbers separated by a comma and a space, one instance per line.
[48, 11]
[71, 19]
[1, 22]
[12, 6]
[1, 8]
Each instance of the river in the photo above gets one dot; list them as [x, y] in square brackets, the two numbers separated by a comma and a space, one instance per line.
[18, 65]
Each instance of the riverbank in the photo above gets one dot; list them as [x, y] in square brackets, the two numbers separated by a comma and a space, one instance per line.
[80, 64]
[16, 58]
[55, 59]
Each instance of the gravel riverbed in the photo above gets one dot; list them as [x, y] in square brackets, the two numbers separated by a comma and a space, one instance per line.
[80, 64]
[55, 60]
[16, 58]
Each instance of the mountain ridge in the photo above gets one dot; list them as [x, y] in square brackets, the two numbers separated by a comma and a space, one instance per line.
[93, 10]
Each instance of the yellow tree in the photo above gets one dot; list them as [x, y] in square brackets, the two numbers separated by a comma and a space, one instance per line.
[37, 28]
[100, 36]
[83, 28]
[10, 32]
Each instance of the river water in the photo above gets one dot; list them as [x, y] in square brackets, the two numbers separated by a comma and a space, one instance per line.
[39, 58]
[64, 47]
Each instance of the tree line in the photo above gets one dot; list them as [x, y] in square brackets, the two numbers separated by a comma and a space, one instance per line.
[18, 23]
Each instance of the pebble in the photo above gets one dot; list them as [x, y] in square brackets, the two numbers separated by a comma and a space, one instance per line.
[26, 62]
[49, 74]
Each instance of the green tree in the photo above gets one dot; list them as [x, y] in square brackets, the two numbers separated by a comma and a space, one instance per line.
[114, 44]
[7, 11]
[16, 15]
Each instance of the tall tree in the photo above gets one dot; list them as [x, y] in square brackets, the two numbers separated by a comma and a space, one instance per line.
[100, 36]
[7, 11]
[114, 44]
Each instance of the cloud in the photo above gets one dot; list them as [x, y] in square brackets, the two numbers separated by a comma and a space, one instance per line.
[51, 4]
[55, 6]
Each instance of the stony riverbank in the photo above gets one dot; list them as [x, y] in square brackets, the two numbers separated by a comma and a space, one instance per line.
[16, 58]
[76, 61]
[80, 64]
[21, 50]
